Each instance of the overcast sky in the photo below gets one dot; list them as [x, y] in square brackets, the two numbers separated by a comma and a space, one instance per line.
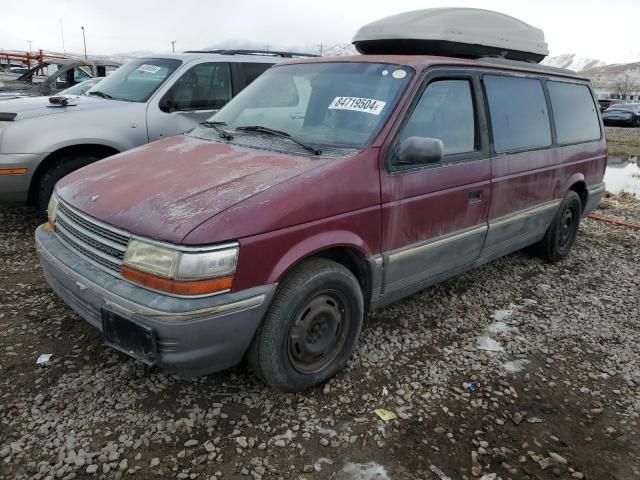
[607, 30]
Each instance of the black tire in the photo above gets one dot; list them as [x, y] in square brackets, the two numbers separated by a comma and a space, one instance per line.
[62, 167]
[561, 234]
[321, 301]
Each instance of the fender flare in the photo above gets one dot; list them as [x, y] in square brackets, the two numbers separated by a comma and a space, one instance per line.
[315, 244]
[561, 190]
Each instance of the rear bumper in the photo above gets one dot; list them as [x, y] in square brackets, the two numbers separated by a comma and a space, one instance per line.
[596, 192]
[194, 336]
[15, 188]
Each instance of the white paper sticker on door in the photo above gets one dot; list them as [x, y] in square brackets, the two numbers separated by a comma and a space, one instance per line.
[148, 68]
[357, 104]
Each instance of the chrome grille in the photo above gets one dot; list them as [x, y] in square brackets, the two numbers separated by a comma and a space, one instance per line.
[101, 244]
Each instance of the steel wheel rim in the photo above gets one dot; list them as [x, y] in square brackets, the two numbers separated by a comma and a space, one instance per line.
[319, 331]
[567, 227]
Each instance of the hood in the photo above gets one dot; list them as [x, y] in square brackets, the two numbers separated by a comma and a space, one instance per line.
[14, 85]
[19, 92]
[165, 189]
[28, 107]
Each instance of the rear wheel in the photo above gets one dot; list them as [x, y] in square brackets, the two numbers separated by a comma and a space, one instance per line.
[561, 234]
[311, 328]
[62, 167]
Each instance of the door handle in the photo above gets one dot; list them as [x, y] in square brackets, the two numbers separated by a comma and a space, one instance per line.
[475, 196]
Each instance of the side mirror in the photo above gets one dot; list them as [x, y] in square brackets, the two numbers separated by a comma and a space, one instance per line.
[420, 151]
[166, 105]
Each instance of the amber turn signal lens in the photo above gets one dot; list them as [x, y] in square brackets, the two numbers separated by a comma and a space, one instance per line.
[13, 171]
[178, 287]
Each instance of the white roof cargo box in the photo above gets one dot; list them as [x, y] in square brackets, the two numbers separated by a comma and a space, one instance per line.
[454, 32]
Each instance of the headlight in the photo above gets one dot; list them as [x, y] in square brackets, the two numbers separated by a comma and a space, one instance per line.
[180, 272]
[52, 210]
[152, 259]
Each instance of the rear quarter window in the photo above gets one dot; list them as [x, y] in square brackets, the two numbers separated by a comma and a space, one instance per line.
[574, 112]
[518, 111]
[254, 70]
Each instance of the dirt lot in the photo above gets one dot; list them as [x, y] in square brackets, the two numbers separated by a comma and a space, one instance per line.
[562, 399]
[623, 141]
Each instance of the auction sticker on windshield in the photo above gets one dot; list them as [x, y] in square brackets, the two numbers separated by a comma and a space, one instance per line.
[148, 68]
[357, 104]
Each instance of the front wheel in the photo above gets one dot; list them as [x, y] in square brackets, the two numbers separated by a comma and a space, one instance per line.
[311, 328]
[61, 168]
[561, 234]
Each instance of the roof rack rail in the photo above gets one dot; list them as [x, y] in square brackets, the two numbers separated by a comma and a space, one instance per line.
[530, 65]
[269, 53]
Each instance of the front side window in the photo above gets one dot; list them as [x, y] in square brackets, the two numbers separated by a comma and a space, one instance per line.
[206, 86]
[341, 104]
[574, 112]
[445, 111]
[518, 110]
[137, 80]
[61, 79]
[79, 75]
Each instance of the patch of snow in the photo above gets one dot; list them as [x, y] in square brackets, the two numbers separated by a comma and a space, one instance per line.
[515, 366]
[623, 177]
[500, 315]
[359, 471]
[44, 358]
[488, 344]
[573, 62]
[318, 465]
[499, 328]
[327, 431]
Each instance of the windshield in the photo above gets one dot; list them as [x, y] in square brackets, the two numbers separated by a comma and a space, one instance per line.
[323, 104]
[137, 80]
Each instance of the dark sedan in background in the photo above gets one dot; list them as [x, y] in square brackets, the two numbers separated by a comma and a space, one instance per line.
[605, 103]
[622, 115]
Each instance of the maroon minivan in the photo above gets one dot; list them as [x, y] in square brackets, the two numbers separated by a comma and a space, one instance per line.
[327, 188]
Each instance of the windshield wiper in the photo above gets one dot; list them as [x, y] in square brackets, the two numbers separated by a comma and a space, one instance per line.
[100, 94]
[222, 132]
[279, 133]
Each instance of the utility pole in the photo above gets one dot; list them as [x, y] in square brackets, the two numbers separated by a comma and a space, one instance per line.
[173, 46]
[267, 47]
[29, 45]
[321, 45]
[64, 50]
[84, 40]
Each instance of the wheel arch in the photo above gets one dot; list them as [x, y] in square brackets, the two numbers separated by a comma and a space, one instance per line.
[577, 184]
[351, 254]
[580, 188]
[99, 150]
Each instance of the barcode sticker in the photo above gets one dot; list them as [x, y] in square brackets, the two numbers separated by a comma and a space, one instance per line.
[148, 68]
[357, 104]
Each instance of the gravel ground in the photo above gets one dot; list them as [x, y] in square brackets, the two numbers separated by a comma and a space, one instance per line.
[560, 399]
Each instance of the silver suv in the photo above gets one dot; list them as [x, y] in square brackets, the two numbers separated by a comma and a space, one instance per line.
[144, 100]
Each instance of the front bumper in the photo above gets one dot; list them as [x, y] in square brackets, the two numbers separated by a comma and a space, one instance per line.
[15, 188]
[194, 336]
